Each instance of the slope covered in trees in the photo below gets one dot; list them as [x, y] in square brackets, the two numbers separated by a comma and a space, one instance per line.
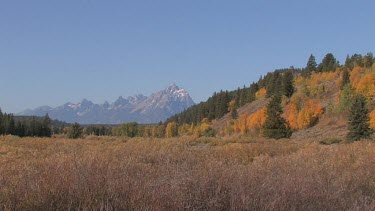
[308, 94]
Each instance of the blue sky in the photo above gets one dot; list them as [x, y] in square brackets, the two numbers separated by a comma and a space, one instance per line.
[52, 52]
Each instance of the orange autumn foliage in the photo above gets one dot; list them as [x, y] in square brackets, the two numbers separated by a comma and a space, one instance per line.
[256, 120]
[317, 78]
[301, 113]
[309, 113]
[291, 115]
[372, 119]
[242, 123]
[366, 85]
[247, 124]
[261, 93]
[356, 74]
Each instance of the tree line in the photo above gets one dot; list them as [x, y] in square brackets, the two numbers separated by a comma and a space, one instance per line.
[33, 126]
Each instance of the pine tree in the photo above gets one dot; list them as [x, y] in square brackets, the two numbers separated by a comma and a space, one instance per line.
[345, 76]
[287, 84]
[311, 65]
[46, 127]
[274, 84]
[75, 131]
[348, 62]
[328, 64]
[358, 124]
[252, 90]
[243, 97]
[232, 109]
[12, 125]
[276, 126]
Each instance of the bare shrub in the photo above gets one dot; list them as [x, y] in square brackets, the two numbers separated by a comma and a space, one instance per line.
[184, 173]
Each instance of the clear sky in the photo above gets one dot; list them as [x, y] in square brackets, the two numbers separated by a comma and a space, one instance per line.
[52, 52]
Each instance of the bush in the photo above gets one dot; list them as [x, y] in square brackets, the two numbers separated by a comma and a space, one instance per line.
[329, 141]
[75, 131]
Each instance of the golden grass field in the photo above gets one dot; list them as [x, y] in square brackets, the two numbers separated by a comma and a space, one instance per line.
[107, 173]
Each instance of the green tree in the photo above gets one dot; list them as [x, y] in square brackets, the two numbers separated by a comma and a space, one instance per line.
[129, 129]
[345, 76]
[329, 63]
[287, 84]
[311, 65]
[368, 60]
[252, 90]
[346, 98]
[171, 130]
[46, 127]
[358, 124]
[75, 131]
[232, 109]
[160, 131]
[276, 126]
[274, 83]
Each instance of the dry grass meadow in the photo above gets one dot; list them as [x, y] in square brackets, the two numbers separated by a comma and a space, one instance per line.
[185, 174]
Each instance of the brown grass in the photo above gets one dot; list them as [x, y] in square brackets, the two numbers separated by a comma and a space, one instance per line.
[185, 174]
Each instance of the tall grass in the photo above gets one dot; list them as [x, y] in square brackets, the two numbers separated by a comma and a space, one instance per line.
[184, 174]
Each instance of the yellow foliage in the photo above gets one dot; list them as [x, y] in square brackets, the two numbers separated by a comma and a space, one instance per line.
[317, 78]
[291, 115]
[366, 85]
[299, 81]
[171, 130]
[256, 120]
[184, 129]
[261, 93]
[301, 112]
[242, 123]
[201, 129]
[356, 74]
[372, 119]
[309, 113]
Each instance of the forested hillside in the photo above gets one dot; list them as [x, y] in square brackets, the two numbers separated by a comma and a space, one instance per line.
[308, 93]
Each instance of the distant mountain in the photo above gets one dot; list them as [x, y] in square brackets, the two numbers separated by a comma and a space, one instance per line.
[139, 108]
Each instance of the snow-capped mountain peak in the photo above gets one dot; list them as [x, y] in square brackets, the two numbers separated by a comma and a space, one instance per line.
[139, 108]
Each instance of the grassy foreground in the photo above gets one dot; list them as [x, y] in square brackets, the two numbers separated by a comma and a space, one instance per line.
[184, 174]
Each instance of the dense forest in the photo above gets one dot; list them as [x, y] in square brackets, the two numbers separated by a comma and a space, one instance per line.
[29, 125]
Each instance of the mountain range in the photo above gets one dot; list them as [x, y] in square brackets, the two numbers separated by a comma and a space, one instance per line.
[139, 108]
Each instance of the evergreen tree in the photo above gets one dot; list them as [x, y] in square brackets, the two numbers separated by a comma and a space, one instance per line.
[276, 126]
[46, 127]
[348, 62]
[274, 82]
[75, 131]
[346, 98]
[345, 76]
[368, 60]
[232, 109]
[11, 125]
[328, 64]
[287, 84]
[358, 124]
[237, 98]
[243, 97]
[252, 91]
[311, 65]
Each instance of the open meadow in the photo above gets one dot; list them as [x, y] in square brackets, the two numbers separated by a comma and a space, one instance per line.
[108, 173]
